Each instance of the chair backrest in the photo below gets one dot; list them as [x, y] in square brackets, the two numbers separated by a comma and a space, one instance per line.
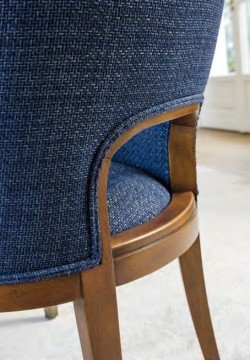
[148, 151]
[75, 76]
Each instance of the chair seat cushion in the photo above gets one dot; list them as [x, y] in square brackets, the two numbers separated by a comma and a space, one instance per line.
[134, 197]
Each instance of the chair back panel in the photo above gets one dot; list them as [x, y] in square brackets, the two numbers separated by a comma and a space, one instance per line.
[74, 76]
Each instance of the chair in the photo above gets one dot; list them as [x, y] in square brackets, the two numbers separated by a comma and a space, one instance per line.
[99, 104]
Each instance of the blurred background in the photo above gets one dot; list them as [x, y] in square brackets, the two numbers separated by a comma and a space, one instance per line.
[154, 317]
[227, 105]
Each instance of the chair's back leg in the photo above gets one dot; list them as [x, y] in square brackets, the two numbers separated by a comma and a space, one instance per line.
[51, 312]
[192, 274]
[97, 315]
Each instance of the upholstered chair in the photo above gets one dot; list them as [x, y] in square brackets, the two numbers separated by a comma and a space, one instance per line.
[99, 104]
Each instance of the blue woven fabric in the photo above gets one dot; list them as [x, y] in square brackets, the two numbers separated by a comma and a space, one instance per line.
[75, 75]
[148, 151]
[133, 197]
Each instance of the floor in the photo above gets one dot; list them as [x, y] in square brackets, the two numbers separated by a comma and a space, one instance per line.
[154, 318]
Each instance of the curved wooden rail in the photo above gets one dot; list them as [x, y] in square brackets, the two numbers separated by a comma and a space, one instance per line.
[135, 251]
[39, 294]
[152, 245]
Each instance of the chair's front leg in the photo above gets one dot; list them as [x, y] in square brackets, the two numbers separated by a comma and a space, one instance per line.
[97, 315]
[193, 278]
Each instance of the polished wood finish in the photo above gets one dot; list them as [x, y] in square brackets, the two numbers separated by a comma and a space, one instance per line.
[182, 162]
[39, 294]
[193, 278]
[97, 306]
[180, 210]
[182, 159]
[164, 238]
[97, 316]
[133, 253]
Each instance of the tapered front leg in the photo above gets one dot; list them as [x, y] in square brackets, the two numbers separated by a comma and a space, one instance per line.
[193, 278]
[97, 315]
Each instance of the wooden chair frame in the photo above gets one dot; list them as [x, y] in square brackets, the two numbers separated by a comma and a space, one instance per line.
[134, 253]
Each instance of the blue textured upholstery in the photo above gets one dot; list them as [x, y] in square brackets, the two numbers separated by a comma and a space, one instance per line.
[133, 197]
[75, 75]
[148, 151]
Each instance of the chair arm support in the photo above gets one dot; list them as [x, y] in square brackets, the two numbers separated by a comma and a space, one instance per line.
[182, 154]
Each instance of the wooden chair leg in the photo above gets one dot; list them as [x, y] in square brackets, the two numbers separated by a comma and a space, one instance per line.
[193, 278]
[51, 312]
[97, 315]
